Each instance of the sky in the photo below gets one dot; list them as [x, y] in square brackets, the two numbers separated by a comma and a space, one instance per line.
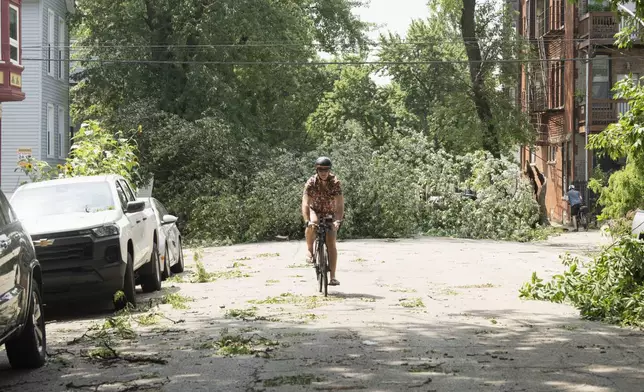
[394, 16]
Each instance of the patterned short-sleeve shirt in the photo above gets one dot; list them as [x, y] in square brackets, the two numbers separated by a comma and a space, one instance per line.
[322, 193]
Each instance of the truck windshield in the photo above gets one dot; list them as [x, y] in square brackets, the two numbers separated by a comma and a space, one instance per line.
[56, 199]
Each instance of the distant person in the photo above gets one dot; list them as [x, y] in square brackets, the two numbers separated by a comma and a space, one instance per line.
[575, 200]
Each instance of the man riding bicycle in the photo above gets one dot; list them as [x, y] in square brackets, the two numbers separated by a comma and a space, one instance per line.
[322, 197]
[575, 200]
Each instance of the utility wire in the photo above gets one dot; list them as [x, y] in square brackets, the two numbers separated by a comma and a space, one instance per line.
[269, 44]
[321, 63]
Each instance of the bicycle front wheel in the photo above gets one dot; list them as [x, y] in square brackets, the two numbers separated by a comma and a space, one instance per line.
[321, 266]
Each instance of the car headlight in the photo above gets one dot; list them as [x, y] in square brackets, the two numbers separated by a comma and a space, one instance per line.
[106, 231]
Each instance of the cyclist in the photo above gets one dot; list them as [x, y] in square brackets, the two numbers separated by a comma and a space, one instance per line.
[322, 196]
[575, 200]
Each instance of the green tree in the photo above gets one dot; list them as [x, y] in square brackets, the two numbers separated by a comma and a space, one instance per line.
[624, 191]
[378, 110]
[464, 105]
[194, 57]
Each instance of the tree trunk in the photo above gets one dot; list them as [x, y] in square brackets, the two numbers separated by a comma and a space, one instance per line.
[477, 77]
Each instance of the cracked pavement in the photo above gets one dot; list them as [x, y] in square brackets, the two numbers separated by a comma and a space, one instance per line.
[428, 314]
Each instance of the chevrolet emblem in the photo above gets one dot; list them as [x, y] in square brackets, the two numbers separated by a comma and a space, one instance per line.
[43, 243]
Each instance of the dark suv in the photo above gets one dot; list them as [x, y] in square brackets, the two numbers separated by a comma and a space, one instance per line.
[22, 324]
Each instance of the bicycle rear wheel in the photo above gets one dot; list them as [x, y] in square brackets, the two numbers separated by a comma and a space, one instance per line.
[325, 272]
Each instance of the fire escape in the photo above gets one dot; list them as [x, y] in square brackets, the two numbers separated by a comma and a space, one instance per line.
[544, 78]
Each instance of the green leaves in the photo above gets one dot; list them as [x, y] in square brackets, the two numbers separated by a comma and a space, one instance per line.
[610, 288]
[624, 191]
[94, 151]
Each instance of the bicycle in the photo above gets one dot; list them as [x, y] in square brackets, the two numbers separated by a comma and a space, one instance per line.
[321, 254]
[582, 218]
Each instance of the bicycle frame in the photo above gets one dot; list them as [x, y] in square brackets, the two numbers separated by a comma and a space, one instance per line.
[322, 270]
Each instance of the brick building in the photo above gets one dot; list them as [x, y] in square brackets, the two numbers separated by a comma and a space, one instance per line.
[553, 90]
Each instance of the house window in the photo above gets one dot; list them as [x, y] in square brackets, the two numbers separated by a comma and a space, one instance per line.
[552, 154]
[533, 155]
[51, 133]
[61, 48]
[51, 31]
[61, 131]
[14, 34]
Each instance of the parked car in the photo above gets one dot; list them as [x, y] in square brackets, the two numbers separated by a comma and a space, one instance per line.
[170, 247]
[92, 237]
[637, 228]
[22, 324]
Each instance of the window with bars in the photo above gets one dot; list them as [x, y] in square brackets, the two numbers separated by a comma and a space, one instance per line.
[556, 76]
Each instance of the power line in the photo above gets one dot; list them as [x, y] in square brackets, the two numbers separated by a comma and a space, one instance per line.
[322, 63]
[292, 44]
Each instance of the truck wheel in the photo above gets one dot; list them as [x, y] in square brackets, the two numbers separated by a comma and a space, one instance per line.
[29, 349]
[128, 287]
[152, 282]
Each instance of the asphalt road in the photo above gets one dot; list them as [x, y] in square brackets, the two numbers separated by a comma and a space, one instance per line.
[419, 315]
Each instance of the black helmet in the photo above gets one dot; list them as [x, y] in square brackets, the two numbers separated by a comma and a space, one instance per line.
[323, 161]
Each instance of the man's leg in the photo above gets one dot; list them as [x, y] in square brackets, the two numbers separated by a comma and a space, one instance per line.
[310, 236]
[333, 252]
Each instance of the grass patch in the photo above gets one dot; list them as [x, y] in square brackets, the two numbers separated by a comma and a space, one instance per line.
[237, 264]
[176, 279]
[359, 260]
[303, 379]
[450, 292]
[309, 317]
[478, 286]
[242, 313]
[272, 282]
[148, 319]
[177, 300]
[309, 302]
[412, 303]
[268, 255]
[402, 290]
[303, 265]
[233, 345]
[296, 276]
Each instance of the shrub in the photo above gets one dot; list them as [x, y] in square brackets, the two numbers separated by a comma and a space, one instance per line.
[611, 289]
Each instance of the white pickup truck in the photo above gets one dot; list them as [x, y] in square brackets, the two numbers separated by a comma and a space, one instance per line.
[93, 238]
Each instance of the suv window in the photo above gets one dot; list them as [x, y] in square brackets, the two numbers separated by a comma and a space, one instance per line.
[128, 190]
[122, 195]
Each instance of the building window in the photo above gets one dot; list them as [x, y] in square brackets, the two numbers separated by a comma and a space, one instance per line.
[51, 31]
[14, 34]
[61, 132]
[51, 133]
[601, 77]
[556, 85]
[533, 155]
[61, 48]
[552, 154]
